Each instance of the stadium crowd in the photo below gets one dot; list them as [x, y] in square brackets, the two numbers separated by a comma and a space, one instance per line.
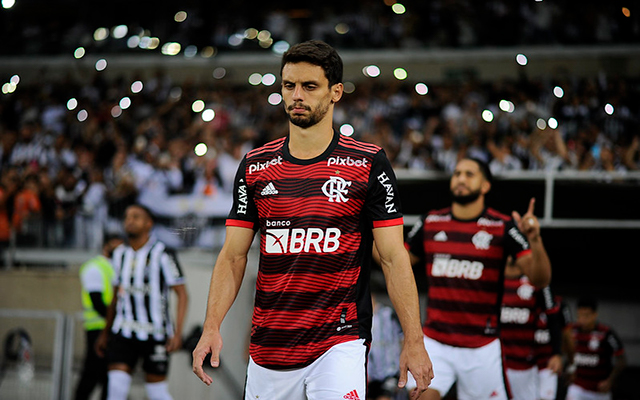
[82, 167]
[358, 24]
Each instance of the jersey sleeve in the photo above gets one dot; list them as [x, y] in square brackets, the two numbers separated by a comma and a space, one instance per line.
[92, 279]
[516, 243]
[414, 241]
[549, 307]
[116, 262]
[383, 200]
[244, 212]
[614, 341]
[171, 269]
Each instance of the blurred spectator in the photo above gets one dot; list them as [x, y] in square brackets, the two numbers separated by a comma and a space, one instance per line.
[68, 192]
[91, 217]
[26, 212]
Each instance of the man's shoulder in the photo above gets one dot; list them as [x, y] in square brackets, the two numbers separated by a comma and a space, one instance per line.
[496, 215]
[358, 145]
[266, 148]
[438, 215]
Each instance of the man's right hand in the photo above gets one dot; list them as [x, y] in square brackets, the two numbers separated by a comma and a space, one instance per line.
[100, 346]
[210, 343]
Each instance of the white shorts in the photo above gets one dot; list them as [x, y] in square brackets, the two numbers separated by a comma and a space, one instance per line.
[340, 373]
[523, 383]
[478, 371]
[576, 392]
[547, 384]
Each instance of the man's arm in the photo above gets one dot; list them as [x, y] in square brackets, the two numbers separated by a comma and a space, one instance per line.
[226, 280]
[401, 287]
[535, 265]
[175, 343]
[103, 339]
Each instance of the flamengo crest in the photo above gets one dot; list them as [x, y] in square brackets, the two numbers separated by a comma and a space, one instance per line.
[336, 189]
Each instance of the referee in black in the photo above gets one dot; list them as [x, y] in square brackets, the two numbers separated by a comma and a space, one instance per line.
[138, 321]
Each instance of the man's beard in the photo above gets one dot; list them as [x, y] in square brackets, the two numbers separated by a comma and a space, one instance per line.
[307, 121]
[464, 199]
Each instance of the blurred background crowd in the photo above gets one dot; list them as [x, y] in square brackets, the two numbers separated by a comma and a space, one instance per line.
[360, 24]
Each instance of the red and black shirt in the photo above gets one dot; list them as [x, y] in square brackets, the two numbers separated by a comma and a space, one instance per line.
[315, 219]
[594, 353]
[522, 308]
[465, 262]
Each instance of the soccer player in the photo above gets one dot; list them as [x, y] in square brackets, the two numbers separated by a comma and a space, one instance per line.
[96, 278]
[138, 323]
[597, 354]
[464, 249]
[318, 200]
[523, 306]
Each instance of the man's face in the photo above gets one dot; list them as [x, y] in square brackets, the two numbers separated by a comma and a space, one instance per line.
[306, 93]
[136, 222]
[586, 317]
[467, 182]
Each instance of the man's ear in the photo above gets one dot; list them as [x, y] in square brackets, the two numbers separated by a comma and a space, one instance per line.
[336, 92]
[485, 187]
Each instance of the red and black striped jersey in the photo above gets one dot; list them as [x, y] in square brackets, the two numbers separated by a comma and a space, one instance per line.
[522, 305]
[594, 353]
[465, 262]
[315, 219]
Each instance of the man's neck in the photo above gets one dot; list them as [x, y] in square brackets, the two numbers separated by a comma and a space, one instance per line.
[137, 242]
[468, 211]
[305, 144]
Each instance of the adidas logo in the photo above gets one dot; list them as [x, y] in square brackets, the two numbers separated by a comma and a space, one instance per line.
[352, 395]
[269, 189]
[440, 237]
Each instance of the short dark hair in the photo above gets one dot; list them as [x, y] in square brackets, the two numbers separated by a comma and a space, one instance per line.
[318, 53]
[588, 302]
[145, 209]
[484, 168]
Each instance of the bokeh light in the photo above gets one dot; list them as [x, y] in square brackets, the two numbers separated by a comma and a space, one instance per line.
[197, 106]
[208, 115]
[219, 73]
[400, 74]
[558, 92]
[346, 130]
[136, 87]
[82, 115]
[120, 31]
[180, 16]
[200, 149]
[608, 108]
[507, 106]
[255, 79]
[552, 123]
[268, 79]
[421, 88]
[72, 103]
[487, 115]
[522, 59]
[398, 8]
[101, 64]
[372, 71]
[79, 52]
[125, 103]
[541, 124]
[274, 99]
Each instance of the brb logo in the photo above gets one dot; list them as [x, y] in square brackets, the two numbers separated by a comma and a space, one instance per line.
[297, 240]
[336, 189]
